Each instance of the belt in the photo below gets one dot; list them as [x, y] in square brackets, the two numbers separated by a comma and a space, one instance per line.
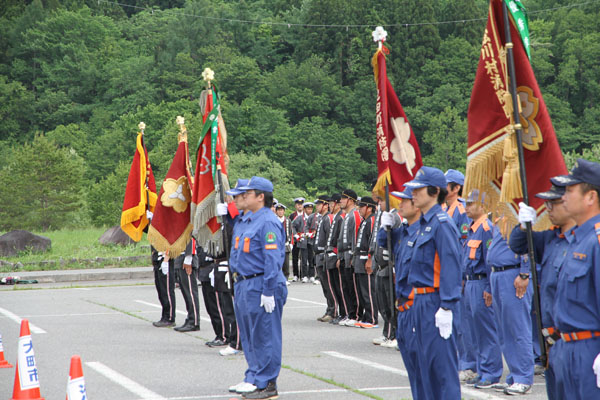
[424, 290]
[551, 334]
[238, 278]
[505, 267]
[476, 277]
[575, 336]
[405, 306]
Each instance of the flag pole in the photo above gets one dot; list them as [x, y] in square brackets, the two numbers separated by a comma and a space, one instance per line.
[519, 131]
[142, 126]
[391, 261]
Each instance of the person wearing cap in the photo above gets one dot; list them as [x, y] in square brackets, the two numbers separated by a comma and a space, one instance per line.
[300, 233]
[385, 297]
[511, 299]
[260, 287]
[346, 246]
[365, 279]
[322, 232]
[287, 228]
[550, 249]
[577, 300]
[334, 273]
[455, 207]
[477, 298]
[299, 209]
[435, 275]
[403, 238]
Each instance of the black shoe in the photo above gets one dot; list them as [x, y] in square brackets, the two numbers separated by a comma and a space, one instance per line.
[163, 323]
[187, 327]
[270, 392]
[217, 342]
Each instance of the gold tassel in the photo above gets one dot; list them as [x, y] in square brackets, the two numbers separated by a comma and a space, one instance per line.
[511, 180]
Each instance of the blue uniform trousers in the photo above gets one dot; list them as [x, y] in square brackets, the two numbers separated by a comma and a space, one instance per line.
[554, 362]
[514, 325]
[407, 344]
[437, 357]
[467, 355]
[260, 331]
[482, 319]
[573, 370]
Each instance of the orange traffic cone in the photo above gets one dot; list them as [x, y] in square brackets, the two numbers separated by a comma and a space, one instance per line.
[27, 385]
[3, 362]
[76, 384]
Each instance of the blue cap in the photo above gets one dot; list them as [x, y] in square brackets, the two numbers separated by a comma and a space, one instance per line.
[584, 171]
[475, 196]
[258, 183]
[428, 176]
[236, 190]
[554, 193]
[454, 176]
[405, 194]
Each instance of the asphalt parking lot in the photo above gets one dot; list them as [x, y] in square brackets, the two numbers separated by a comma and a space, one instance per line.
[126, 358]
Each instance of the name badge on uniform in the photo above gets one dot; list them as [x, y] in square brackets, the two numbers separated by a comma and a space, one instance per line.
[410, 244]
[428, 229]
[579, 256]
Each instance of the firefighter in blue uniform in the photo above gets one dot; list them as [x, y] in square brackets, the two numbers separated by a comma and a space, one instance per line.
[550, 248]
[477, 296]
[455, 207]
[435, 275]
[403, 241]
[512, 294]
[577, 302]
[260, 287]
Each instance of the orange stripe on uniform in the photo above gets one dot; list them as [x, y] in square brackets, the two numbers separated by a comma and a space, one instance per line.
[436, 271]
[237, 242]
[246, 245]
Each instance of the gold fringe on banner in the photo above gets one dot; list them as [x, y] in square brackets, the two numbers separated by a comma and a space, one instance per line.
[379, 189]
[511, 179]
[161, 243]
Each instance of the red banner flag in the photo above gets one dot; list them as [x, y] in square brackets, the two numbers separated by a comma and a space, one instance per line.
[398, 154]
[492, 158]
[171, 228]
[212, 151]
[140, 193]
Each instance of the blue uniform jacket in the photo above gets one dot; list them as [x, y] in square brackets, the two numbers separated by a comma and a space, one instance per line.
[260, 248]
[577, 303]
[459, 215]
[550, 249]
[403, 240]
[236, 234]
[475, 250]
[436, 256]
[500, 255]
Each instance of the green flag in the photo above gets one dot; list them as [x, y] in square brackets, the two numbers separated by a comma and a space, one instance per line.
[519, 14]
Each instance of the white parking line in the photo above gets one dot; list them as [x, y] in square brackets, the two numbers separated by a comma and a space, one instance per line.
[125, 382]
[465, 391]
[177, 311]
[18, 320]
[307, 301]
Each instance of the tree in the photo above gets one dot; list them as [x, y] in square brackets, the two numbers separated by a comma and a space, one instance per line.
[447, 136]
[105, 198]
[41, 186]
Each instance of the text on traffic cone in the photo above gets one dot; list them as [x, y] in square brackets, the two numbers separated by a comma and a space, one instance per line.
[76, 384]
[27, 384]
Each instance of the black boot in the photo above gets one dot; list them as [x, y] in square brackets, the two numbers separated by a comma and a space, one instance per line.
[188, 326]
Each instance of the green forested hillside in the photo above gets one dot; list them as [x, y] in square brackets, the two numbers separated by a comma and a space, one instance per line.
[77, 76]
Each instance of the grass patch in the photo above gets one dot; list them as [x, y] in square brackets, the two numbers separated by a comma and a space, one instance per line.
[72, 248]
[332, 382]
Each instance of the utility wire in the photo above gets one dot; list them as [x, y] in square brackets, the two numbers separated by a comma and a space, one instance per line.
[347, 26]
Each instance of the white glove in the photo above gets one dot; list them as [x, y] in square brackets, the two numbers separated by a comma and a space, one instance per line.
[149, 215]
[268, 302]
[596, 368]
[164, 267]
[526, 214]
[387, 219]
[221, 209]
[443, 321]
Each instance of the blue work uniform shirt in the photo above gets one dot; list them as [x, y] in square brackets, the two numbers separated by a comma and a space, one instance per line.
[436, 256]
[577, 302]
[458, 214]
[550, 249]
[261, 248]
[236, 235]
[500, 255]
[476, 248]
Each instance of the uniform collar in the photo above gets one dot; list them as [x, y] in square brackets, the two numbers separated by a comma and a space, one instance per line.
[432, 211]
[587, 228]
[252, 216]
[412, 228]
[475, 225]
